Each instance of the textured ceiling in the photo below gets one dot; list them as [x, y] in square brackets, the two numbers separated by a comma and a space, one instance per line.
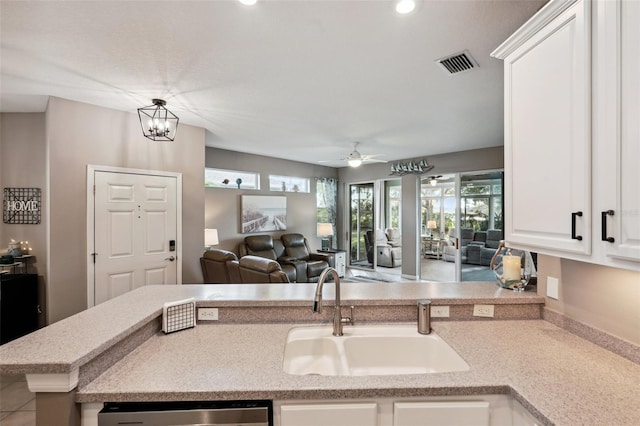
[298, 80]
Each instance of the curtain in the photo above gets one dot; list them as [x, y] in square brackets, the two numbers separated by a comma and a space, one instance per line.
[327, 201]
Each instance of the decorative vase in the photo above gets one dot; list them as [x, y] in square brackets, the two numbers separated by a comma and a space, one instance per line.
[14, 249]
[514, 270]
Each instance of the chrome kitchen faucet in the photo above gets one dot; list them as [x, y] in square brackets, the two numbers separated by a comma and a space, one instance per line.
[338, 319]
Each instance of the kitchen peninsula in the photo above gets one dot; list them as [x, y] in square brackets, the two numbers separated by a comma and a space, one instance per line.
[116, 352]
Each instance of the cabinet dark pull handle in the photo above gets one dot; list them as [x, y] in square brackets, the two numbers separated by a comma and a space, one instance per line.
[604, 226]
[573, 226]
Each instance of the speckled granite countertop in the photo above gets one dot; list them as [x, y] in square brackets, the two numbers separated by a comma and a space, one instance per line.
[559, 377]
[68, 344]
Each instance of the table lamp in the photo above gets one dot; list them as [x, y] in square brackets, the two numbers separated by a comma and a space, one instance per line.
[325, 230]
[431, 224]
[210, 238]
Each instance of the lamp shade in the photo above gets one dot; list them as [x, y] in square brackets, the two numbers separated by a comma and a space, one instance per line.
[325, 229]
[211, 237]
[431, 224]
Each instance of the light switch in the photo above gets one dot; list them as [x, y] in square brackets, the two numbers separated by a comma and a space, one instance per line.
[552, 287]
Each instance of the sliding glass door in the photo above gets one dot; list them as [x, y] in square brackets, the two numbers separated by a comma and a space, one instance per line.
[362, 203]
[461, 225]
[480, 223]
[438, 224]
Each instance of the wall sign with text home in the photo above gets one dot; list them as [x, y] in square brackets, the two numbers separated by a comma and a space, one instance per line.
[21, 206]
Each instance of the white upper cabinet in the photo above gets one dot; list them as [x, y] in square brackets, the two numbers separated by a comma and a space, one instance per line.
[616, 127]
[547, 135]
[572, 132]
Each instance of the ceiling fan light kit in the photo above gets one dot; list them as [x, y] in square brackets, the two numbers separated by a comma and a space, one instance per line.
[411, 167]
[405, 6]
[355, 159]
[433, 180]
[354, 162]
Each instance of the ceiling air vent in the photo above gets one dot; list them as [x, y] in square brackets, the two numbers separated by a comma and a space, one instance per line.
[457, 63]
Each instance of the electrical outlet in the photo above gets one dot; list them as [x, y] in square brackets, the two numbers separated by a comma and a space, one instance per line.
[552, 287]
[439, 311]
[483, 311]
[207, 314]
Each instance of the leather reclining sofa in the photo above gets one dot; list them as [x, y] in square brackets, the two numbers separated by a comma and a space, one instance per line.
[223, 267]
[292, 252]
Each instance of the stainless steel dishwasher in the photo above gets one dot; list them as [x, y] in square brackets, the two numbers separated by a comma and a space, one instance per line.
[183, 413]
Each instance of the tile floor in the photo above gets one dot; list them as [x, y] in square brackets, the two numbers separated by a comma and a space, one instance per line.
[17, 404]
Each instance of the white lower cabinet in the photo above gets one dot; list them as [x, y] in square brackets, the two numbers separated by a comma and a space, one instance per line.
[338, 414]
[481, 410]
[441, 413]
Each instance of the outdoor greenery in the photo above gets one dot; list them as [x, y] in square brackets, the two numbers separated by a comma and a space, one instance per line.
[361, 212]
[480, 206]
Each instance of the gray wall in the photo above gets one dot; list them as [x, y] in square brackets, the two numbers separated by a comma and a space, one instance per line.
[22, 165]
[605, 298]
[80, 134]
[69, 137]
[222, 205]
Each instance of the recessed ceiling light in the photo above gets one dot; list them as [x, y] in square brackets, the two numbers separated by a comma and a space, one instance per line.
[405, 6]
[248, 2]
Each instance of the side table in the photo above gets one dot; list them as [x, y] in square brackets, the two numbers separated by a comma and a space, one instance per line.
[340, 260]
[431, 247]
[19, 305]
[21, 262]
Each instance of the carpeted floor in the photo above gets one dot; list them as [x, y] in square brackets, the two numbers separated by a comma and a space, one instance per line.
[367, 279]
[477, 273]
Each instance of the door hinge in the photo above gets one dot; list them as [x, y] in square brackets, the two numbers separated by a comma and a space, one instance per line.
[94, 257]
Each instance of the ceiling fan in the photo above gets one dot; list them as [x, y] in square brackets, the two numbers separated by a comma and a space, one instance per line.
[354, 159]
[433, 180]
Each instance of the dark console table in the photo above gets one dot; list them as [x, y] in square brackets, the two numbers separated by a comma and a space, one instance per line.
[19, 306]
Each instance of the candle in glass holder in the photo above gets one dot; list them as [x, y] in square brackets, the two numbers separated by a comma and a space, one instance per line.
[511, 265]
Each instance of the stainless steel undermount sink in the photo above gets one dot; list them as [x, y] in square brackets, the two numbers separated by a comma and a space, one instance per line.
[366, 350]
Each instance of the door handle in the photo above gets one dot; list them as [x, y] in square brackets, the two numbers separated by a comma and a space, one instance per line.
[604, 226]
[170, 259]
[573, 226]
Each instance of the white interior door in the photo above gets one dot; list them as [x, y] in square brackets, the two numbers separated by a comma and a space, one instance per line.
[135, 232]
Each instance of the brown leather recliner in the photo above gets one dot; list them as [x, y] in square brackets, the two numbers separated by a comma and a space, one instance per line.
[255, 269]
[269, 248]
[215, 268]
[309, 265]
[261, 245]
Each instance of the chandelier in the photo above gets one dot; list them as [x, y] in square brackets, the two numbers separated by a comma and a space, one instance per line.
[411, 167]
[157, 122]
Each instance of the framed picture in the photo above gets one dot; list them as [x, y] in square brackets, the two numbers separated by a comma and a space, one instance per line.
[21, 206]
[262, 213]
